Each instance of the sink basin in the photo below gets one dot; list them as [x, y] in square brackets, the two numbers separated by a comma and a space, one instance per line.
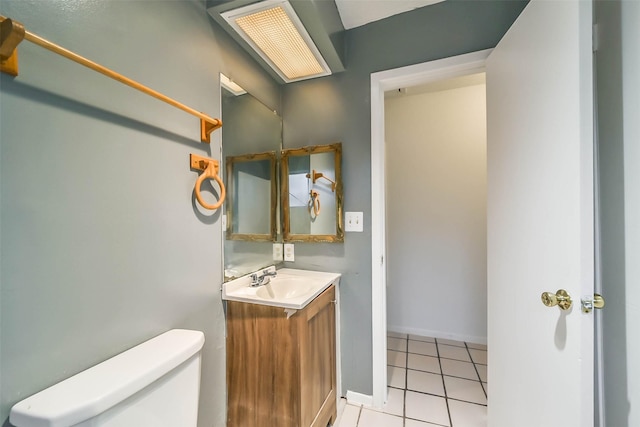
[290, 288]
[283, 289]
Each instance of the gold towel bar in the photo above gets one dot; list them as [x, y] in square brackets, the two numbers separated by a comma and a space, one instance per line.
[314, 176]
[13, 32]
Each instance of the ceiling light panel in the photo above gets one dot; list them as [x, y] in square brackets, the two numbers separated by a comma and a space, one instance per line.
[276, 33]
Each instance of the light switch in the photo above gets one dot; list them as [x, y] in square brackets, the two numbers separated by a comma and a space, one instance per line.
[288, 252]
[353, 221]
[277, 252]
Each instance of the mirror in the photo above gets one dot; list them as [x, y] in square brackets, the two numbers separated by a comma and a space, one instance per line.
[311, 194]
[251, 210]
[251, 137]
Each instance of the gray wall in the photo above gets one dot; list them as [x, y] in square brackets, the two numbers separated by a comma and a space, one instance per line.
[631, 113]
[618, 89]
[97, 256]
[337, 108]
[102, 244]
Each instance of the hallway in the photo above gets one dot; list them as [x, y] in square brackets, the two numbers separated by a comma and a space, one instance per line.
[432, 382]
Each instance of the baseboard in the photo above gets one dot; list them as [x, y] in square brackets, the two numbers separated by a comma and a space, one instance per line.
[437, 334]
[354, 398]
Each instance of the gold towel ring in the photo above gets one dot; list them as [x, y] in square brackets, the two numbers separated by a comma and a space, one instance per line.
[314, 203]
[210, 168]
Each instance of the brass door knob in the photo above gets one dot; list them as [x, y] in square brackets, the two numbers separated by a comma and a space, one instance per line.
[560, 298]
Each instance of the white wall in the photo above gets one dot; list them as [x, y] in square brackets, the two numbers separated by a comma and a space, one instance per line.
[436, 213]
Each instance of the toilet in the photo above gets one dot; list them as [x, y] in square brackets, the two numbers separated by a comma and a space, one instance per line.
[156, 383]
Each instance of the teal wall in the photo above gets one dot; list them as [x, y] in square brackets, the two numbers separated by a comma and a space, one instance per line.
[618, 91]
[102, 244]
[611, 203]
[337, 108]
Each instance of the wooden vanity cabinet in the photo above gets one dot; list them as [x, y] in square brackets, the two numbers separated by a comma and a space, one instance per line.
[281, 372]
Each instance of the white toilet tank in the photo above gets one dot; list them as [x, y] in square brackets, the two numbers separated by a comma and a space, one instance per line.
[155, 384]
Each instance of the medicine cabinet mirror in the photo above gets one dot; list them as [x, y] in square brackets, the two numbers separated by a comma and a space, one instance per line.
[251, 211]
[251, 139]
[311, 194]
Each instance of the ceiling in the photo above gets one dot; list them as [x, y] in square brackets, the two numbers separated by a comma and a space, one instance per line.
[355, 13]
[438, 86]
[324, 20]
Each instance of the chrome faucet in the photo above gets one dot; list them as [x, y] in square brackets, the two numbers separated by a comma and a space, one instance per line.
[263, 279]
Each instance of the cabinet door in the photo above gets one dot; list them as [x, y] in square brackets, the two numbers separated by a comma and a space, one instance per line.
[318, 361]
[262, 367]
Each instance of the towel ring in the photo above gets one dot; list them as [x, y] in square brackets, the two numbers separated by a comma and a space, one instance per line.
[314, 203]
[210, 168]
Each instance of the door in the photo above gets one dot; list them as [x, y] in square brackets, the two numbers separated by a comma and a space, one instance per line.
[540, 218]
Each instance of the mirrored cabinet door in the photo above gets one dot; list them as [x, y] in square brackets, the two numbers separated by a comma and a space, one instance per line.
[311, 193]
[251, 209]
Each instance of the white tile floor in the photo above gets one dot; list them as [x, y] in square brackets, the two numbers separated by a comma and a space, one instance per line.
[432, 382]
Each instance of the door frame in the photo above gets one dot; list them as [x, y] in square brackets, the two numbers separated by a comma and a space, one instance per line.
[381, 82]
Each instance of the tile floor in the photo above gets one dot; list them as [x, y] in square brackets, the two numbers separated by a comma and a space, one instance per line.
[432, 382]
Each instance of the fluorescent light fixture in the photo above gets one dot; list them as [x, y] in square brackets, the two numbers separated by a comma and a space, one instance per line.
[275, 32]
[231, 86]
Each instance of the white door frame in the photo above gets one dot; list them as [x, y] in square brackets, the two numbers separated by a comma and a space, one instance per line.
[381, 82]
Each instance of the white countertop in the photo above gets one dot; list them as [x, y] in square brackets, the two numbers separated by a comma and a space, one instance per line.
[291, 288]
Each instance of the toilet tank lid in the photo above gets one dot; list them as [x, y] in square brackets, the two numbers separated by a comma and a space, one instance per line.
[102, 386]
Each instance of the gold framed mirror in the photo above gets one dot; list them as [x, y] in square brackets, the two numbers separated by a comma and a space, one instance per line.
[311, 194]
[252, 197]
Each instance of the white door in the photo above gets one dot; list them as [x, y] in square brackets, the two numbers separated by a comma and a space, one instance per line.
[540, 218]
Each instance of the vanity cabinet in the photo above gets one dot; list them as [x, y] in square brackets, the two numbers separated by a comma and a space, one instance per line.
[281, 367]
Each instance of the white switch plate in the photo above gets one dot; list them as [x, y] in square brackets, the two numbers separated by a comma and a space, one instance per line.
[288, 252]
[277, 252]
[353, 221]
[224, 222]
